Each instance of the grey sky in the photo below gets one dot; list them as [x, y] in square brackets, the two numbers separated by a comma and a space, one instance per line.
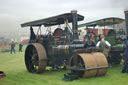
[15, 12]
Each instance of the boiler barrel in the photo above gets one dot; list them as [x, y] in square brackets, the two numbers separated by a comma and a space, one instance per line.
[65, 50]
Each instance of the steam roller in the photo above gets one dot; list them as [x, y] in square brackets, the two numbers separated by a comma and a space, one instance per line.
[89, 64]
[62, 47]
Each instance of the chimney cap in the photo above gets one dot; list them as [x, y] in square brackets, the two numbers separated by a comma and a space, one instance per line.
[73, 11]
[126, 11]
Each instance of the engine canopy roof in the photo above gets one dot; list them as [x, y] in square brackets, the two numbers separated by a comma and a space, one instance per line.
[103, 22]
[51, 21]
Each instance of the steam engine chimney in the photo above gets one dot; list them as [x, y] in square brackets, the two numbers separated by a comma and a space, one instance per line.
[126, 20]
[74, 24]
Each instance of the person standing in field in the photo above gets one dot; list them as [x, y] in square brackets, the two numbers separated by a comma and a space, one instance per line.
[125, 55]
[12, 47]
[20, 47]
[104, 45]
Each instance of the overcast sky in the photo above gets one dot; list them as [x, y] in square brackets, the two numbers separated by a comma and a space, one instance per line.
[15, 12]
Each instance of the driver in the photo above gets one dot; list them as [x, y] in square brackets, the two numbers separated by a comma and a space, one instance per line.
[89, 39]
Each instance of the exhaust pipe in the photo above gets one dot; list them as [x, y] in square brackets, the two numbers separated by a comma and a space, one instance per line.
[74, 24]
[126, 21]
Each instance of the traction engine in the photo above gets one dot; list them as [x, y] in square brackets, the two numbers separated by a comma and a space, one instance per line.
[62, 47]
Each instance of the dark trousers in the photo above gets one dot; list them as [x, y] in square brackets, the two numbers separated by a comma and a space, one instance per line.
[12, 50]
[20, 49]
[125, 68]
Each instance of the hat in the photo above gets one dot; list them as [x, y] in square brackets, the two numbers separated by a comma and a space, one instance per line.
[102, 36]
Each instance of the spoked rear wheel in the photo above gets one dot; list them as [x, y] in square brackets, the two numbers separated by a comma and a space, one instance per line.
[35, 58]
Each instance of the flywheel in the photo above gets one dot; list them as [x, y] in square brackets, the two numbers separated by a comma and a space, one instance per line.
[35, 58]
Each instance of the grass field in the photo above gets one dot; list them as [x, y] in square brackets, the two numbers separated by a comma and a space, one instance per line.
[16, 74]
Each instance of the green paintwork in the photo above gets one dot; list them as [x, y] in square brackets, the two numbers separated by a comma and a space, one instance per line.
[111, 40]
[114, 45]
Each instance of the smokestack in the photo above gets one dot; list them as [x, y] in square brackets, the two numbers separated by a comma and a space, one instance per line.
[126, 20]
[74, 24]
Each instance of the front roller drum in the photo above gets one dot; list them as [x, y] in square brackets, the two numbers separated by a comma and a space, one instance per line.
[94, 64]
[35, 58]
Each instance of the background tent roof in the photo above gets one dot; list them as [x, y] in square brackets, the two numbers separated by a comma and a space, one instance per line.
[103, 22]
[55, 20]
